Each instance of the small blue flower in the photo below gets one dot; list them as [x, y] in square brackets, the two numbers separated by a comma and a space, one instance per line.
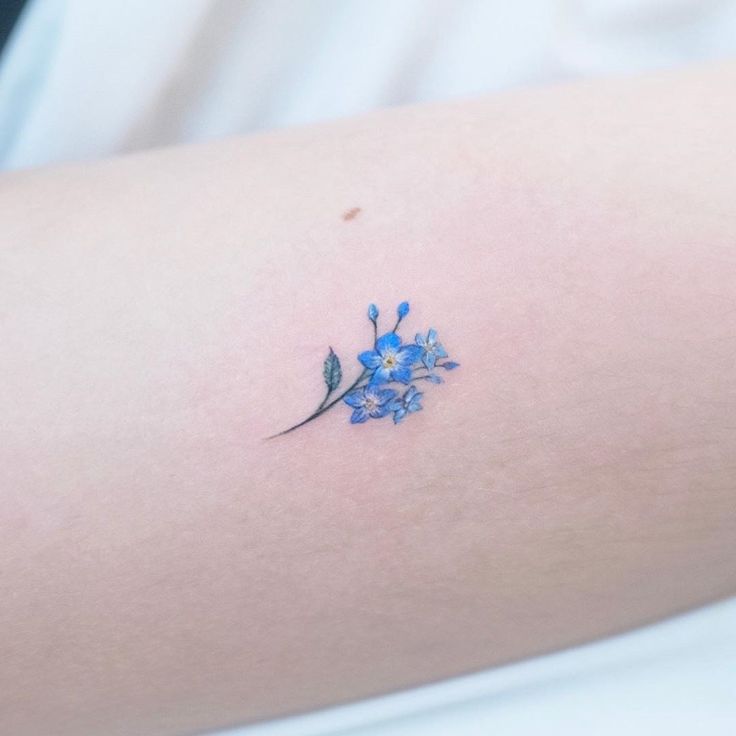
[431, 348]
[390, 361]
[407, 404]
[369, 401]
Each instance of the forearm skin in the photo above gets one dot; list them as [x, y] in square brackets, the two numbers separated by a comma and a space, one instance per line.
[165, 569]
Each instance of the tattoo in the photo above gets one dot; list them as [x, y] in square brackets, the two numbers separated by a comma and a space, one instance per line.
[389, 362]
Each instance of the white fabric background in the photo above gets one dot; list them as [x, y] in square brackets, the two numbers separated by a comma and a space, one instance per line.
[677, 678]
[84, 78]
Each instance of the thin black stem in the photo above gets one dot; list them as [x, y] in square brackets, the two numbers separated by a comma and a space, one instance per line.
[324, 401]
[375, 332]
[323, 407]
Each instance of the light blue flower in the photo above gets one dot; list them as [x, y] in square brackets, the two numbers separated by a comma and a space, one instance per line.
[390, 361]
[431, 348]
[369, 401]
[372, 312]
[407, 404]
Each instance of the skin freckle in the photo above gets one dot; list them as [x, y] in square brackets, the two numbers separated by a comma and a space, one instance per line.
[351, 214]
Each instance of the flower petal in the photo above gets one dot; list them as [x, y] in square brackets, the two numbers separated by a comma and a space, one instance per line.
[379, 411]
[385, 395]
[432, 336]
[399, 414]
[402, 374]
[389, 341]
[355, 398]
[409, 354]
[370, 358]
[359, 416]
[420, 340]
[381, 375]
[439, 351]
[429, 359]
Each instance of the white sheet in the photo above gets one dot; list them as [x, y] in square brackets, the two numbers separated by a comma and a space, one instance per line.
[676, 678]
[83, 78]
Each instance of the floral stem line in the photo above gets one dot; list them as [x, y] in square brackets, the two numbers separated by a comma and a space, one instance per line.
[389, 362]
[322, 408]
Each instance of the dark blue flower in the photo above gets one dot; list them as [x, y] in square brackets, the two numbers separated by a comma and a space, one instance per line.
[402, 310]
[407, 404]
[390, 361]
[431, 348]
[369, 401]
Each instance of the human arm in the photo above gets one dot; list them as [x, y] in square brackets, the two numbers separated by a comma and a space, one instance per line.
[165, 569]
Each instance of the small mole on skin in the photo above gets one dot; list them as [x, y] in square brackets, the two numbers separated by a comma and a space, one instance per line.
[351, 214]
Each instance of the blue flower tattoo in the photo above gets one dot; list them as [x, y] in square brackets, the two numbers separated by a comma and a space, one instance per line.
[369, 401]
[407, 404]
[389, 361]
[430, 348]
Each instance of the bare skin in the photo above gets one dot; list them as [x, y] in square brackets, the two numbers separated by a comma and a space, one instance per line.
[166, 570]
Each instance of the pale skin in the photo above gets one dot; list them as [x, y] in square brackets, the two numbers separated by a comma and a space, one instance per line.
[164, 569]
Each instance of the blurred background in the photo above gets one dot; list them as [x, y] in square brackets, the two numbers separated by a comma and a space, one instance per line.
[81, 79]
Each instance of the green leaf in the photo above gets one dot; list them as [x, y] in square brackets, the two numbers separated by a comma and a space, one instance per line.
[332, 371]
